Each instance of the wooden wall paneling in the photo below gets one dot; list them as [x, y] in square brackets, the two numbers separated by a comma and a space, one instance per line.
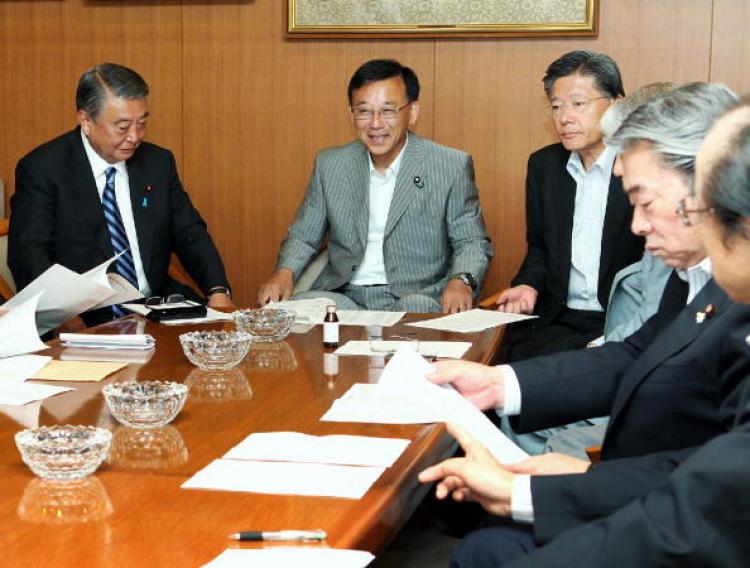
[498, 112]
[730, 45]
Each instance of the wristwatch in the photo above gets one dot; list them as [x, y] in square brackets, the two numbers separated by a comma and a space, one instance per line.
[220, 290]
[466, 278]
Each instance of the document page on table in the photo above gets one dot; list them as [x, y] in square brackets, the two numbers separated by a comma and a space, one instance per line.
[404, 379]
[471, 321]
[287, 556]
[336, 449]
[286, 478]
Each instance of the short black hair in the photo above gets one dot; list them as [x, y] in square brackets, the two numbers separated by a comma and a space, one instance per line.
[381, 69]
[600, 66]
[108, 78]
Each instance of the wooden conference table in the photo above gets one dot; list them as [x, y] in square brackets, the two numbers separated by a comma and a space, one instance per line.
[132, 512]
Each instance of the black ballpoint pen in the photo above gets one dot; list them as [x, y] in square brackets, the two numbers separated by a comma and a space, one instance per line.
[279, 535]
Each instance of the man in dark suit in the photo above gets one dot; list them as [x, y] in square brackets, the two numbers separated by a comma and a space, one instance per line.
[668, 387]
[700, 516]
[101, 189]
[577, 216]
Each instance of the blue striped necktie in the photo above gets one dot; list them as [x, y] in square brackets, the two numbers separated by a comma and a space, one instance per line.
[117, 236]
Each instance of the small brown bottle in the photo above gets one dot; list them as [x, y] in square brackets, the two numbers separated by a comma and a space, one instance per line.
[331, 328]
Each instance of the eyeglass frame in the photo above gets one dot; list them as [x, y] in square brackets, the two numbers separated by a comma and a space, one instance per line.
[683, 211]
[583, 106]
[379, 112]
[154, 301]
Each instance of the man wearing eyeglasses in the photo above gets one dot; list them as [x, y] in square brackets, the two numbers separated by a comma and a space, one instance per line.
[101, 190]
[577, 216]
[401, 213]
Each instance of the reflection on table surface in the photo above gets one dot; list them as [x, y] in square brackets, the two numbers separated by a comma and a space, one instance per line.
[132, 512]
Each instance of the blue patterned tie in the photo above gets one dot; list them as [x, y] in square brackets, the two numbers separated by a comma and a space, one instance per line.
[117, 236]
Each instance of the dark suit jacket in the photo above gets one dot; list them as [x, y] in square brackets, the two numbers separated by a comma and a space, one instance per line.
[550, 204]
[665, 391]
[699, 516]
[56, 216]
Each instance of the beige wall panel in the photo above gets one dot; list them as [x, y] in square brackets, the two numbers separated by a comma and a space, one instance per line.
[731, 46]
[498, 112]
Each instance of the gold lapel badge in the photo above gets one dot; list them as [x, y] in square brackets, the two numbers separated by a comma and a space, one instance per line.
[707, 313]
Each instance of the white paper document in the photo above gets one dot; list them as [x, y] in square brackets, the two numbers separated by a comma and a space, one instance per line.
[314, 310]
[67, 294]
[291, 557]
[140, 341]
[336, 449]
[19, 368]
[403, 386]
[286, 478]
[18, 333]
[442, 349]
[211, 315]
[16, 394]
[471, 321]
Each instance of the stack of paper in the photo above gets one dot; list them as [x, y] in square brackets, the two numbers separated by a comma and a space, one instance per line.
[404, 395]
[139, 341]
[300, 464]
[471, 321]
[281, 557]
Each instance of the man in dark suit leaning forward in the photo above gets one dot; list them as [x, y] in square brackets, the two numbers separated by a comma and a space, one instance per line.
[670, 386]
[99, 190]
[402, 215]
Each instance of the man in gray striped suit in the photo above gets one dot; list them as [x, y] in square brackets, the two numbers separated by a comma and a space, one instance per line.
[401, 213]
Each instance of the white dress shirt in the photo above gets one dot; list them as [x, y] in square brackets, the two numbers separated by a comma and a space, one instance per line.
[371, 270]
[521, 504]
[592, 190]
[99, 167]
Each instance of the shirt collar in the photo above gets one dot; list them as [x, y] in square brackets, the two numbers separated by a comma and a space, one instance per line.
[697, 276]
[604, 162]
[393, 169]
[98, 164]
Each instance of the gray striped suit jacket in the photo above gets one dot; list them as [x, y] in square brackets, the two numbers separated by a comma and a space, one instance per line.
[434, 228]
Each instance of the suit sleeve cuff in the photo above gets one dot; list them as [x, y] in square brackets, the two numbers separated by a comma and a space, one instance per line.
[521, 505]
[512, 392]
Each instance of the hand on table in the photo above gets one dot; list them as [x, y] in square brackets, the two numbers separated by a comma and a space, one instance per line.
[519, 299]
[550, 464]
[477, 476]
[457, 297]
[482, 385]
[279, 287]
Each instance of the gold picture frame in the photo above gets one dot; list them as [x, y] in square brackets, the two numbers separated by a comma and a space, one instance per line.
[441, 18]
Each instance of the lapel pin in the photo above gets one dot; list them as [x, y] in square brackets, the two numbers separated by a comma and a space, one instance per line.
[144, 203]
[707, 313]
[747, 339]
[418, 181]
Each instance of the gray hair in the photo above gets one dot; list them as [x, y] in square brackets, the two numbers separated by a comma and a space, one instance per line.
[614, 116]
[105, 79]
[675, 123]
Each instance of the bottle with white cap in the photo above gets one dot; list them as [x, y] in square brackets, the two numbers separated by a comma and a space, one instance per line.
[331, 327]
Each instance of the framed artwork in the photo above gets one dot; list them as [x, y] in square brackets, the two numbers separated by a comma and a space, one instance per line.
[441, 18]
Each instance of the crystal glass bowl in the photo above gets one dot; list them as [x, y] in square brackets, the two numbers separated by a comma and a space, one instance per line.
[265, 324]
[215, 349]
[63, 452]
[147, 404]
